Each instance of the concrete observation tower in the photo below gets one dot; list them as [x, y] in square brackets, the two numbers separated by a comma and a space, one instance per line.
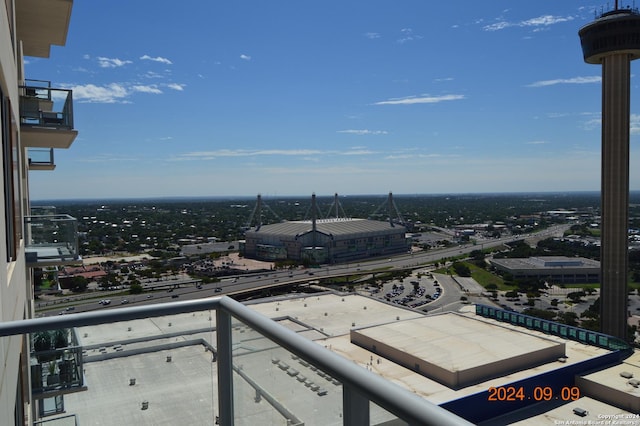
[613, 40]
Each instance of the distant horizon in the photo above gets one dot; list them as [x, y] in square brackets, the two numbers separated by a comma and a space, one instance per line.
[304, 196]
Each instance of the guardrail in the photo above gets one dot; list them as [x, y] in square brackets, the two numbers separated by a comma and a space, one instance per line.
[360, 387]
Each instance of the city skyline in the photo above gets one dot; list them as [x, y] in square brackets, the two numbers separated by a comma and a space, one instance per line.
[358, 98]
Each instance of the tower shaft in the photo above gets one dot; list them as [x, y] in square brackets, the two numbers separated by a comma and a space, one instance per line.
[614, 193]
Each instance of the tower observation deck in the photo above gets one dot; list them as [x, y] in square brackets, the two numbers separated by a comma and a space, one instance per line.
[613, 40]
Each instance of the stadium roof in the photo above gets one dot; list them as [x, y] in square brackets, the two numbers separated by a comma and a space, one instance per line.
[340, 226]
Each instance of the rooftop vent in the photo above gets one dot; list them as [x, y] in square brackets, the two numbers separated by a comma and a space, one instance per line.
[580, 411]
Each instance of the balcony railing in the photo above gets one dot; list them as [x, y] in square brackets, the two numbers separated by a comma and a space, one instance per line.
[56, 363]
[51, 240]
[41, 159]
[46, 115]
[69, 420]
[252, 370]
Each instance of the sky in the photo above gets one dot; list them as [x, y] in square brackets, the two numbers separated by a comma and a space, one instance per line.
[283, 97]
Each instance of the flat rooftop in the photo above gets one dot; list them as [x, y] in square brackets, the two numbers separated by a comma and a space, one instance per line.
[139, 349]
[457, 350]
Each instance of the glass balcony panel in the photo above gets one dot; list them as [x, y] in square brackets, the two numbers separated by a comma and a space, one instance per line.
[380, 416]
[45, 106]
[157, 364]
[41, 159]
[51, 240]
[275, 387]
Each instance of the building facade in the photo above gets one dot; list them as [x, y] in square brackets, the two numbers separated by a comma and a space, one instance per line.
[325, 240]
[553, 269]
[35, 118]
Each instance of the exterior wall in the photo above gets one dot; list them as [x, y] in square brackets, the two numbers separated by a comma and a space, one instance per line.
[338, 248]
[624, 399]
[557, 274]
[15, 293]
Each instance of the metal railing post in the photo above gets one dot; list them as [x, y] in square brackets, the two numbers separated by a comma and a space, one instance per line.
[355, 407]
[224, 356]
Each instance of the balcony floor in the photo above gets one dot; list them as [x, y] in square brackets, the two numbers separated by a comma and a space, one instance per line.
[50, 256]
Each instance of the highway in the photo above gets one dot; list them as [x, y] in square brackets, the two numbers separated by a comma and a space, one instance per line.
[263, 280]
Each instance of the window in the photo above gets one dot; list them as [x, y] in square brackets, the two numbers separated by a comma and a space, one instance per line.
[11, 175]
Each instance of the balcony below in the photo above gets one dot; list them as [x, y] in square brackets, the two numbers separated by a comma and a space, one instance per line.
[56, 363]
[51, 240]
[46, 116]
[41, 159]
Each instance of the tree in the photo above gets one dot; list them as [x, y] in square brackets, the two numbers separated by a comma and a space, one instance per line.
[576, 296]
[135, 288]
[79, 284]
[569, 318]
[461, 269]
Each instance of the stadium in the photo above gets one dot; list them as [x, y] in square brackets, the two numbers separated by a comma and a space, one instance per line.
[332, 240]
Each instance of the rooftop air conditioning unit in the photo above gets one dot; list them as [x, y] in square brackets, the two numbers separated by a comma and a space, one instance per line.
[580, 411]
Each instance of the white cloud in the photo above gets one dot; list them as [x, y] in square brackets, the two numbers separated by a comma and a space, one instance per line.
[110, 93]
[112, 62]
[634, 125]
[421, 100]
[536, 142]
[363, 132]
[310, 154]
[245, 57]
[372, 36]
[408, 35]
[250, 153]
[574, 80]
[146, 89]
[176, 86]
[156, 59]
[541, 21]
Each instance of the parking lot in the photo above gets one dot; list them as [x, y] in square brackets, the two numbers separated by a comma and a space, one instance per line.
[415, 291]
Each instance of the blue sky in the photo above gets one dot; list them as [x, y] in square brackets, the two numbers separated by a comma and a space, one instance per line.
[356, 97]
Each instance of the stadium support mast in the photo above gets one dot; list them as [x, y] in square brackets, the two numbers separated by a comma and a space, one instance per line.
[257, 213]
[314, 218]
[613, 41]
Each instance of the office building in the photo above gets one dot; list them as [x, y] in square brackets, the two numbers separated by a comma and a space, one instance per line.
[552, 269]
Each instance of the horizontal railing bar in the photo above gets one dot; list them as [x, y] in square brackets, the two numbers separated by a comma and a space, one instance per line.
[106, 316]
